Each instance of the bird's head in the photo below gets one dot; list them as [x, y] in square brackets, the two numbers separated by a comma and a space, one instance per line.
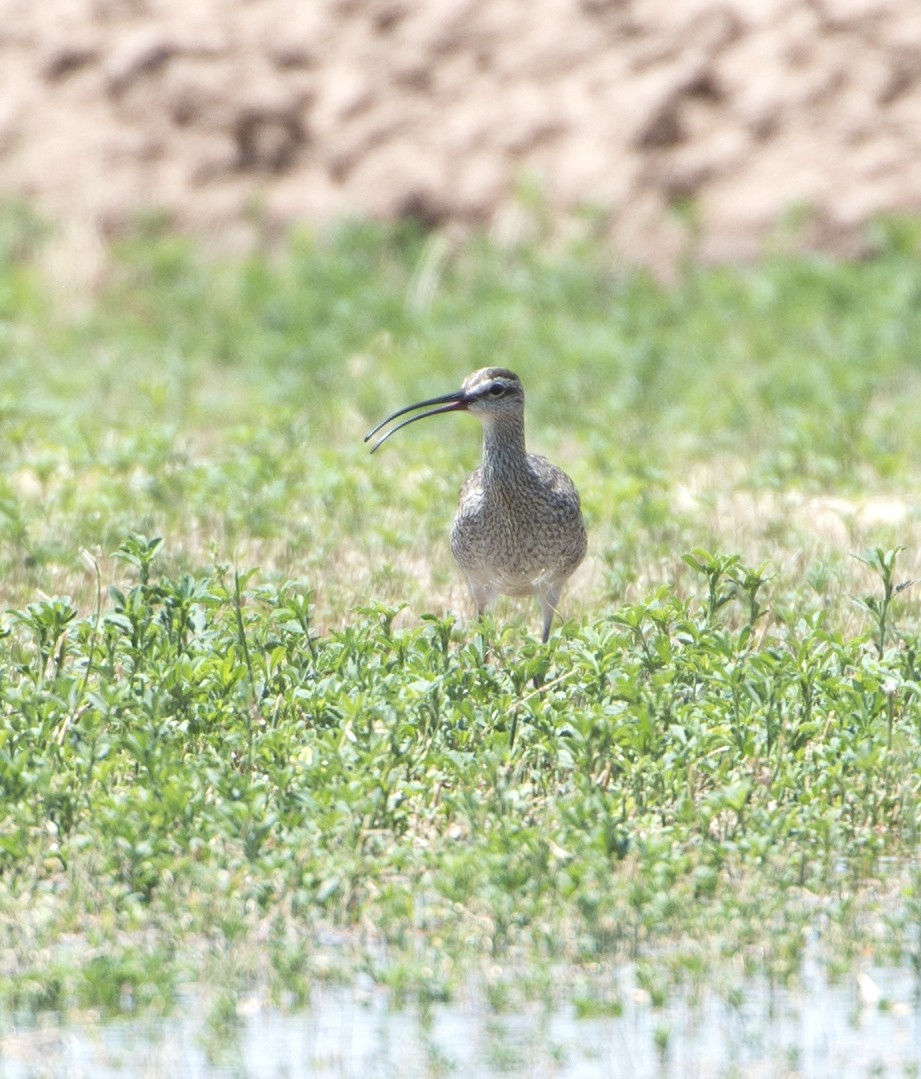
[493, 392]
[490, 394]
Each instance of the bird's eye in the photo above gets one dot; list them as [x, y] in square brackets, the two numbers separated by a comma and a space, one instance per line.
[496, 390]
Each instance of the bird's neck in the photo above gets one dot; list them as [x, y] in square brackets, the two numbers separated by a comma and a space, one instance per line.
[504, 453]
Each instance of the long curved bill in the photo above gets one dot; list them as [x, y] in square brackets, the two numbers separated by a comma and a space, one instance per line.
[450, 402]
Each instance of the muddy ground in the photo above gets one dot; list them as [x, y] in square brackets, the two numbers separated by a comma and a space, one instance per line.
[710, 127]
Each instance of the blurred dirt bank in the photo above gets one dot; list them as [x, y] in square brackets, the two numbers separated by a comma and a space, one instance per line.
[238, 117]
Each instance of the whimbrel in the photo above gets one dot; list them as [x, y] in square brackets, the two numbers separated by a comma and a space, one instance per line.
[518, 529]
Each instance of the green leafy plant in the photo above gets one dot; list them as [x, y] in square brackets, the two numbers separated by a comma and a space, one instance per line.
[208, 772]
[882, 562]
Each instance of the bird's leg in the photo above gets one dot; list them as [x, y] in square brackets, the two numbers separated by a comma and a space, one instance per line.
[482, 595]
[548, 601]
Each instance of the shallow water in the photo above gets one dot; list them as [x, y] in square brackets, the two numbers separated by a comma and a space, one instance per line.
[869, 1025]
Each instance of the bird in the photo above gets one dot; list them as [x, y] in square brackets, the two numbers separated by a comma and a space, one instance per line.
[518, 529]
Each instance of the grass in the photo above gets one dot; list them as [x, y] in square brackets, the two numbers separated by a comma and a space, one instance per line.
[245, 739]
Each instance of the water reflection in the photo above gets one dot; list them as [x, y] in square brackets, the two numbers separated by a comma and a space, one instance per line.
[869, 1025]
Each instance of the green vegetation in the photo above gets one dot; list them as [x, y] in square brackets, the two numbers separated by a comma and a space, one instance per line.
[246, 738]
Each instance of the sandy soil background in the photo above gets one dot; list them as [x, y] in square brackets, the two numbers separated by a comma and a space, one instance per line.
[239, 117]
